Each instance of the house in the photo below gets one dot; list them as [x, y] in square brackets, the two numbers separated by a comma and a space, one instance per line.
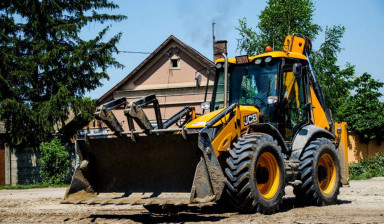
[175, 72]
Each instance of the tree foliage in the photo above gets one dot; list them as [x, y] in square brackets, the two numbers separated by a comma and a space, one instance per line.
[54, 162]
[46, 67]
[279, 19]
[335, 82]
[363, 111]
[351, 98]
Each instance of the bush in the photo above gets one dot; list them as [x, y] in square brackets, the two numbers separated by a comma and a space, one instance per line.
[367, 168]
[54, 162]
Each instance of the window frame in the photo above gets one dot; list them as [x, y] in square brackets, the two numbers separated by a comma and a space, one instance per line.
[306, 93]
[173, 59]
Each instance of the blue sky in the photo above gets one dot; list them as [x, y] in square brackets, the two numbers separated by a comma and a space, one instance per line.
[150, 22]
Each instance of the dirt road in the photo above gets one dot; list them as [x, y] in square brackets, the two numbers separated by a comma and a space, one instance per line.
[362, 202]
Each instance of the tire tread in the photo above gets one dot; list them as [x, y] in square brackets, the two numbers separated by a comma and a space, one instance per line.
[238, 173]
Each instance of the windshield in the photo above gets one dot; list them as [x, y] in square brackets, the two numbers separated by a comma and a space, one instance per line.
[248, 84]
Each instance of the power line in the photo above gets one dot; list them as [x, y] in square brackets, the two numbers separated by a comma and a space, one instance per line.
[134, 52]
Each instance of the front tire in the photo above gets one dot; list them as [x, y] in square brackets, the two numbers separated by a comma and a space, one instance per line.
[256, 174]
[319, 172]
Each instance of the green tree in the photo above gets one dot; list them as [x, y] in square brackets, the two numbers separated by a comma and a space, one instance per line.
[335, 82]
[279, 19]
[46, 67]
[363, 111]
[351, 98]
[84, 110]
[53, 161]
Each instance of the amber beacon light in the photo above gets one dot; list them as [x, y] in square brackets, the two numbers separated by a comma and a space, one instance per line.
[268, 49]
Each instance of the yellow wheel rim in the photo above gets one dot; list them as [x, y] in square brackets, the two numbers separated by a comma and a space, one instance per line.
[268, 163]
[326, 173]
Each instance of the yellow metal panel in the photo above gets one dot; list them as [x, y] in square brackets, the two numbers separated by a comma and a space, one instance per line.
[298, 45]
[229, 132]
[247, 116]
[290, 82]
[223, 140]
[287, 43]
[201, 121]
[341, 133]
[294, 44]
[318, 112]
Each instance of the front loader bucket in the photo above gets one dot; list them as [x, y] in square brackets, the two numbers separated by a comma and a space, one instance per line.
[156, 169]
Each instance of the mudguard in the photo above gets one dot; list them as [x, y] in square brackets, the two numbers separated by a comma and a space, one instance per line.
[304, 136]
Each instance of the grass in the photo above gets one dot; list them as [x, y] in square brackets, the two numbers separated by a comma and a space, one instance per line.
[367, 168]
[30, 186]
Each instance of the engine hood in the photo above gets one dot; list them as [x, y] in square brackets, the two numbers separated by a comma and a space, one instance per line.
[245, 111]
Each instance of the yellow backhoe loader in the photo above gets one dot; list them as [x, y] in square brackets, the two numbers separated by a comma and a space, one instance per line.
[268, 127]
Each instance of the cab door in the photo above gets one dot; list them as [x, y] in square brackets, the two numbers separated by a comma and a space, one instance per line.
[293, 98]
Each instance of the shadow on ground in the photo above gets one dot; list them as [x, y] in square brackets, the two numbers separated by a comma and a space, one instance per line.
[212, 213]
[157, 218]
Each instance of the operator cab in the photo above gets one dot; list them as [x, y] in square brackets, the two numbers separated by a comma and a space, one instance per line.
[274, 85]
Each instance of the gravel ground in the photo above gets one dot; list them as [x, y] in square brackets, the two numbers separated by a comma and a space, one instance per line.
[362, 202]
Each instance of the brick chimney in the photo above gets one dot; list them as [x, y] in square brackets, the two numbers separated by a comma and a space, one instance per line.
[219, 48]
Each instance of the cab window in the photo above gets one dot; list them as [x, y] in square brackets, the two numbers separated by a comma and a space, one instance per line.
[293, 96]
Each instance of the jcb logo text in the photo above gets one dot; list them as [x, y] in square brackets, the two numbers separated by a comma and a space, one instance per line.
[249, 119]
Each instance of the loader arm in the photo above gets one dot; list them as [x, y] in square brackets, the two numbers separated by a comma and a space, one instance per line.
[135, 112]
[104, 112]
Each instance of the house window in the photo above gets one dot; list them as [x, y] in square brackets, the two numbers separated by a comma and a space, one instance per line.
[174, 62]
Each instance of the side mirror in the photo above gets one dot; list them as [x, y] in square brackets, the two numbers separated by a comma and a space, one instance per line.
[297, 69]
[206, 105]
[309, 107]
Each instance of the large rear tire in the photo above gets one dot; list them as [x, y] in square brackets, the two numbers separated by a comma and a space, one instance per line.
[319, 172]
[255, 174]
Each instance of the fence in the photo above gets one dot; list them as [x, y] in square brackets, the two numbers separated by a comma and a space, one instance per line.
[358, 150]
[21, 166]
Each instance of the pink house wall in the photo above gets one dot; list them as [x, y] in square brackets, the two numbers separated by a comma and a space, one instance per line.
[174, 88]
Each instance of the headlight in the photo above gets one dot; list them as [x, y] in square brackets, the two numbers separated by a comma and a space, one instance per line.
[219, 65]
[258, 61]
[272, 99]
[206, 105]
[268, 59]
